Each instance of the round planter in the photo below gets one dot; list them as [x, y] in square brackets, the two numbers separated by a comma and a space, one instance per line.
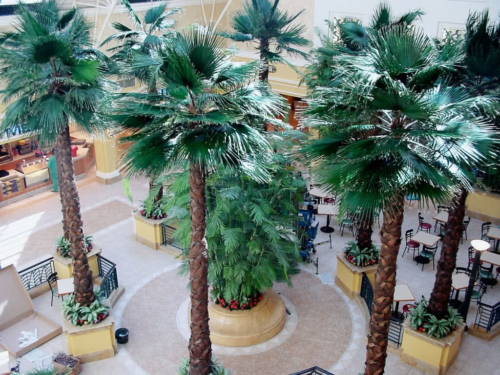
[247, 327]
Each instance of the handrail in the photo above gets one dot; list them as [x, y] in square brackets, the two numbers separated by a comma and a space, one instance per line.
[313, 371]
[167, 233]
[107, 271]
[487, 315]
[37, 274]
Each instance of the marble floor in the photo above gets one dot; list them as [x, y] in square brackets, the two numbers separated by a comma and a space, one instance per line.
[329, 329]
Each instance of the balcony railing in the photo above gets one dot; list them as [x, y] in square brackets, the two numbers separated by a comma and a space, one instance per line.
[107, 271]
[313, 371]
[37, 274]
[487, 315]
[167, 237]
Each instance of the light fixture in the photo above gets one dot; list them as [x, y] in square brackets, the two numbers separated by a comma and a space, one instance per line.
[480, 245]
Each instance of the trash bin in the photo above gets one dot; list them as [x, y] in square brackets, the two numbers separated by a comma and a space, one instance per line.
[121, 335]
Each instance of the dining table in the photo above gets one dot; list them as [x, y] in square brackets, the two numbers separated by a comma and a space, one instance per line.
[65, 286]
[495, 234]
[442, 217]
[328, 210]
[426, 239]
[319, 193]
[402, 293]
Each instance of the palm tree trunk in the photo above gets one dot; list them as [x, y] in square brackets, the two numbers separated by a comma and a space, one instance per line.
[440, 296]
[59, 179]
[84, 286]
[365, 232]
[383, 288]
[200, 347]
[264, 47]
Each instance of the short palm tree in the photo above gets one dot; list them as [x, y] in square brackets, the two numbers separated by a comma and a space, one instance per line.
[262, 22]
[479, 72]
[51, 77]
[149, 34]
[423, 129]
[201, 117]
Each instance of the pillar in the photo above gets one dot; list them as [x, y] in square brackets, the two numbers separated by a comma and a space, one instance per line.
[106, 161]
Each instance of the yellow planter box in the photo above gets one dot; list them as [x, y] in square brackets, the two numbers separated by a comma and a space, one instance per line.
[427, 354]
[93, 342]
[147, 231]
[64, 266]
[348, 276]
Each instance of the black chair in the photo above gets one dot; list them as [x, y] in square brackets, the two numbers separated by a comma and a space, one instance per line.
[439, 209]
[52, 281]
[410, 244]
[429, 253]
[348, 222]
[464, 233]
[477, 292]
[486, 275]
[426, 227]
[442, 230]
[462, 270]
[485, 227]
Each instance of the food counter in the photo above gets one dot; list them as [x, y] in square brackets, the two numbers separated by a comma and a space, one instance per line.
[35, 172]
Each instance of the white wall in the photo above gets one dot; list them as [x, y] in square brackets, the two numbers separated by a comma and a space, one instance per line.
[439, 14]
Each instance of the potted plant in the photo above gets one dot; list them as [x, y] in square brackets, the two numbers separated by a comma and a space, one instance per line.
[424, 322]
[80, 315]
[63, 361]
[63, 246]
[361, 257]
[217, 368]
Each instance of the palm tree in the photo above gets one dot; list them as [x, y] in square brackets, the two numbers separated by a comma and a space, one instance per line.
[150, 33]
[52, 77]
[480, 73]
[262, 22]
[202, 117]
[423, 129]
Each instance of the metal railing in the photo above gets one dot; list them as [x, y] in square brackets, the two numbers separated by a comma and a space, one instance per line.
[167, 233]
[487, 316]
[396, 331]
[367, 292]
[313, 371]
[37, 274]
[107, 271]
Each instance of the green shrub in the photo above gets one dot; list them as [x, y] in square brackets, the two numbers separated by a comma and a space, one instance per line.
[80, 315]
[361, 258]
[423, 322]
[217, 368]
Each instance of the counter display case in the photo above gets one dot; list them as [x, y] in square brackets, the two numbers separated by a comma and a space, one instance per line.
[35, 172]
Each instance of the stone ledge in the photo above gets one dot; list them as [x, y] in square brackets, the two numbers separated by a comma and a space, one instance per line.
[482, 334]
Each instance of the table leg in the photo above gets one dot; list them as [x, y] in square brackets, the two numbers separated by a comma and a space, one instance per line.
[497, 242]
[457, 293]
[327, 228]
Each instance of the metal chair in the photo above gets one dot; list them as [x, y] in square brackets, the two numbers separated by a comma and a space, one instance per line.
[429, 253]
[348, 222]
[472, 253]
[442, 230]
[478, 292]
[485, 227]
[410, 244]
[426, 227]
[52, 281]
[464, 233]
[486, 275]
[462, 270]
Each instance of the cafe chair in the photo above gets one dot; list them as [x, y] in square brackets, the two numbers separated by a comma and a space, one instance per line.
[425, 227]
[442, 230]
[464, 233]
[471, 257]
[462, 270]
[347, 222]
[486, 274]
[478, 292]
[52, 281]
[410, 244]
[429, 253]
[485, 227]
[329, 201]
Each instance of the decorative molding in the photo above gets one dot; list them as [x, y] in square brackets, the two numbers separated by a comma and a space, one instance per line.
[108, 175]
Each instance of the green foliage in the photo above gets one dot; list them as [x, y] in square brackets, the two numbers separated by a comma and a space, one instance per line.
[422, 321]
[217, 368]
[63, 246]
[250, 231]
[81, 315]
[262, 21]
[361, 257]
[205, 114]
[49, 74]
[65, 371]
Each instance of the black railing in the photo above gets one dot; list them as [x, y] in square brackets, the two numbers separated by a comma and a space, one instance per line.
[107, 271]
[396, 331]
[313, 371]
[167, 233]
[37, 274]
[487, 316]
[367, 292]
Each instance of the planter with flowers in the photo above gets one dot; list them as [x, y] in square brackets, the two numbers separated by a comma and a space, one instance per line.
[89, 330]
[62, 362]
[431, 344]
[148, 221]
[351, 266]
[62, 258]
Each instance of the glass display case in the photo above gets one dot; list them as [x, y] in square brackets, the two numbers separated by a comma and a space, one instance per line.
[35, 172]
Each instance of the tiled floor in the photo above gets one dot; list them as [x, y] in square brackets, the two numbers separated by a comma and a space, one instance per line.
[329, 331]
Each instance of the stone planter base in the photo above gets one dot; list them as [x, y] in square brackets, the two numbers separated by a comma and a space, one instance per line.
[91, 343]
[247, 327]
[348, 276]
[482, 334]
[427, 354]
[147, 231]
[64, 266]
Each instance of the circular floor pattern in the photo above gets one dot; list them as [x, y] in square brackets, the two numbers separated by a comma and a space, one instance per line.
[323, 329]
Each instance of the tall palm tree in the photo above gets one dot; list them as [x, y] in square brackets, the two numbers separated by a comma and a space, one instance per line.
[420, 134]
[150, 33]
[263, 23]
[202, 117]
[52, 77]
[480, 73]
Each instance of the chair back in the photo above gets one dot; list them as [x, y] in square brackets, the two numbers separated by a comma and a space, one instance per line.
[420, 218]
[431, 249]
[52, 280]
[408, 235]
[443, 208]
[329, 200]
[466, 223]
[471, 252]
[485, 227]
[486, 269]
[442, 230]
[462, 270]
